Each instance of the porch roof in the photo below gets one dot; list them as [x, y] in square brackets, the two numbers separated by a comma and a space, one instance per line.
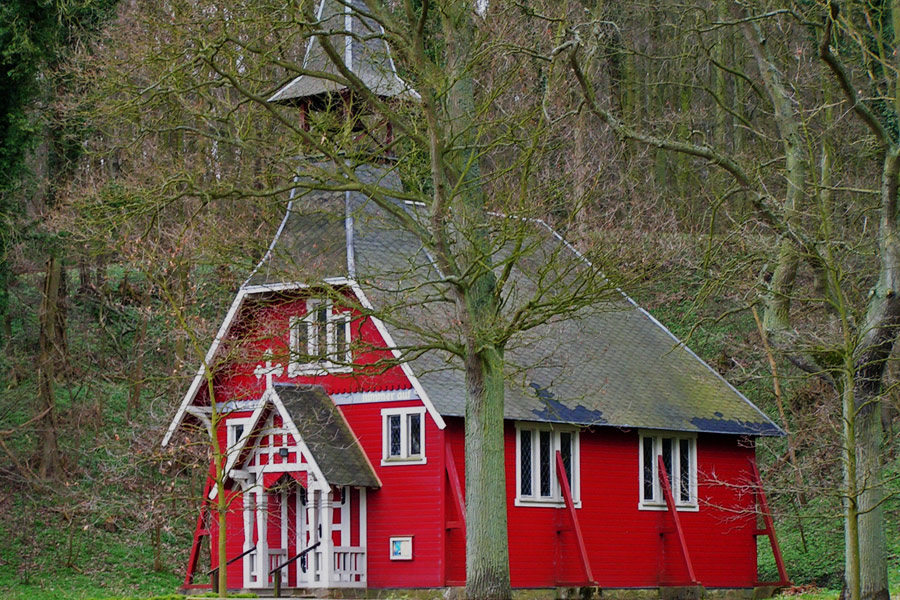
[327, 435]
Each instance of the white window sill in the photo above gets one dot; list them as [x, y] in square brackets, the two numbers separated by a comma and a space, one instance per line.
[544, 502]
[397, 461]
[658, 507]
[312, 369]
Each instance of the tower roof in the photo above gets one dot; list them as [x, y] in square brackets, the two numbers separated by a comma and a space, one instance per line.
[361, 41]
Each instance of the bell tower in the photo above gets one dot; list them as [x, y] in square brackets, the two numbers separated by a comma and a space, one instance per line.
[347, 31]
[323, 228]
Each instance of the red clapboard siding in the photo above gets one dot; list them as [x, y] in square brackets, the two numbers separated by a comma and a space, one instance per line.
[406, 505]
[628, 547]
[234, 540]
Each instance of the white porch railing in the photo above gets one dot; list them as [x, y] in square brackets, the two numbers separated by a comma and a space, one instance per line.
[349, 566]
[276, 557]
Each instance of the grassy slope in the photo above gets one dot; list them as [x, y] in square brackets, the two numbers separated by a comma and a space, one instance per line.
[99, 520]
[91, 535]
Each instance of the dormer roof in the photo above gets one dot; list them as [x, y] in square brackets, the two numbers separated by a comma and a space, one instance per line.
[350, 29]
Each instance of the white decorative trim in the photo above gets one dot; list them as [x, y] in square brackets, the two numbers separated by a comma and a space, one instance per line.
[201, 372]
[339, 399]
[268, 288]
[317, 478]
[348, 37]
[374, 397]
[237, 406]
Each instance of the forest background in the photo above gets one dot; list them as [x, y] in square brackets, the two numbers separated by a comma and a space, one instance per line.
[728, 161]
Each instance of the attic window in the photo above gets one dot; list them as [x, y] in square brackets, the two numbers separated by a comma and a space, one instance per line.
[679, 454]
[537, 482]
[320, 340]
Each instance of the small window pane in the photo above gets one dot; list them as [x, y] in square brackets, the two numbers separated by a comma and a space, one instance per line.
[565, 450]
[415, 435]
[238, 432]
[341, 340]
[300, 341]
[545, 463]
[394, 427]
[684, 464]
[648, 469]
[667, 458]
[525, 457]
[321, 325]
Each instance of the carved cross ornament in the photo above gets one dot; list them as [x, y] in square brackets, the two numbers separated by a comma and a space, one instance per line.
[269, 369]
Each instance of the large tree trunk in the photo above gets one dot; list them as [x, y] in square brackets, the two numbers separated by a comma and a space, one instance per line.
[866, 556]
[487, 551]
[866, 507]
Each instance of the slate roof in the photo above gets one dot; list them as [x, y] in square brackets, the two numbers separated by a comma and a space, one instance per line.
[362, 45]
[610, 364]
[327, 435]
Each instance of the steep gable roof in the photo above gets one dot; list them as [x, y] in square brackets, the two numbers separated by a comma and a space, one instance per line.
[611, 364]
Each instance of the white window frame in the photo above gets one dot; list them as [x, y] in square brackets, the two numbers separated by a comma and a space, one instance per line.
[232, 438]
[658, 502]
[326, 361]
[556, 498]
[404, 458]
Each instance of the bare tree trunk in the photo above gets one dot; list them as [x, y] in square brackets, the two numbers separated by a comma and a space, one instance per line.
[137, 381]
[49, 465]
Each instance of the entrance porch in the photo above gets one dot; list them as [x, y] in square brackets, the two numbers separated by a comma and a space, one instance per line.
[296, 537]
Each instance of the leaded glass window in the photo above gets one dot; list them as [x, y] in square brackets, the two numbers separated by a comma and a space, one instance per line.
[537, 474]
[404, 435]
[678, 453]
[525, 462]
[415, 440]
[545, 463]
[649, 467]
[684, 466]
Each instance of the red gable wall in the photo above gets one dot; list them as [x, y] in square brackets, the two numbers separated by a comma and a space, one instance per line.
[264, 325]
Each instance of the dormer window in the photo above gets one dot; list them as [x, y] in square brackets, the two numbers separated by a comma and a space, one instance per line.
[320, 340]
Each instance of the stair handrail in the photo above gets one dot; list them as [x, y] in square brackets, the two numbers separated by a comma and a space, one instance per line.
[300, 554]
[277, 570]
[238, 557]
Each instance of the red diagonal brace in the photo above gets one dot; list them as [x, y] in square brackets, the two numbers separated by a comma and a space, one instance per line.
[455, 486]
[670, 502]
[769, 529]
[570, 504]
[199, 532]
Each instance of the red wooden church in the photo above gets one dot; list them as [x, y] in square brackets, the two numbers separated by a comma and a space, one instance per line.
[630, 463]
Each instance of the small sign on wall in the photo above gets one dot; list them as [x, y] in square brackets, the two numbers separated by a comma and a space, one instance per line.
[401, 548]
